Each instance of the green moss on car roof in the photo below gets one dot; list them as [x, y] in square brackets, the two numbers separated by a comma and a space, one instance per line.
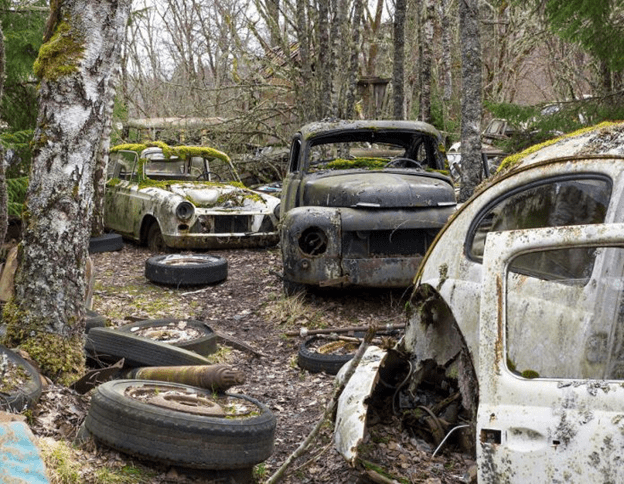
[183, 152]
[512, 160]
[367, 163]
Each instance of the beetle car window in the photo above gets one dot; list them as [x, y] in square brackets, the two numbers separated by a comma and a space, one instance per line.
[567, 328]
[553, 203]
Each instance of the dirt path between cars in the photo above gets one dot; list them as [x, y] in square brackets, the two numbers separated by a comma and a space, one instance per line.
[249, 306]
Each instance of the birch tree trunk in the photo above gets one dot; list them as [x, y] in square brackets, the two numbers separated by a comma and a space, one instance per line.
[75, 67]
[398, 66]
[471, 102]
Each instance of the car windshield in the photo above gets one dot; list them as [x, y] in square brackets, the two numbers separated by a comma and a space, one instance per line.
[195, 168]
[372, 151]
[165, 167]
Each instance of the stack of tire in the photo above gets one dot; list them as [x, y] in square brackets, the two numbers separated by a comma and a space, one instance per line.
[168, 422]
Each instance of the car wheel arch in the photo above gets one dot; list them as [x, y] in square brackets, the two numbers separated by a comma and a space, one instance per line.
[433, 339]
[146, 223]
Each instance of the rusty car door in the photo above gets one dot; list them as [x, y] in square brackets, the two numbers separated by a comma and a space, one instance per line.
[552, 423]
[117, 209]
[292, 180]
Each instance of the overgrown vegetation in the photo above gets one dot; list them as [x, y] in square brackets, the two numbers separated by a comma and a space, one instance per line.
[66, 465]
[533, 125]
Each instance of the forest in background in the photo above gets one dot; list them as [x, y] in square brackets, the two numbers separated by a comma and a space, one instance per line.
[256, 71]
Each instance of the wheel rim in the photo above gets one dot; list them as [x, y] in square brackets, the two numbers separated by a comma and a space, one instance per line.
[184, 260]
[170, 333]
[195, 403]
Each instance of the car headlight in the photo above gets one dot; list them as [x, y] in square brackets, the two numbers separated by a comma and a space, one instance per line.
[276, 211]
[185, 210]
[313, 241]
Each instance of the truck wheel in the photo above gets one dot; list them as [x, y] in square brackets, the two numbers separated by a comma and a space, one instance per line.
[186, 270]
[293, 288]
[181, 425]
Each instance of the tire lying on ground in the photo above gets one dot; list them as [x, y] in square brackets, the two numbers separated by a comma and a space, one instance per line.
[180, 424]
[317, 354]
[186, 270]
[94, 320]
[21, 387]
[188, 334]
[105, 243]
[110, 345]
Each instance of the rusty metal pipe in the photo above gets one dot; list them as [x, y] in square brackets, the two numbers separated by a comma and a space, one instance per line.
[216, 378]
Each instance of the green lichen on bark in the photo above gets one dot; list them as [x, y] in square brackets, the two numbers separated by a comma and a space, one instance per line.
[59, 56]
[59, 357]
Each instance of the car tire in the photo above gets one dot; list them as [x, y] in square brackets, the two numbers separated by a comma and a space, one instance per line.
[315, 362]
[186, 270]
[205, 342]
[155, 240]
[19, 399]
[110, 345]
[105, 243]
[180, 433]
[94, 320]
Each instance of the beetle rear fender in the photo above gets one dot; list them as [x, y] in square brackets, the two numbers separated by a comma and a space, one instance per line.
[434, 343]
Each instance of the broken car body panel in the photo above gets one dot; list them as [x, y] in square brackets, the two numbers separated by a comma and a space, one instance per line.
[564, 191]
[358, 206]
[558, 417]
[194, 196]
[350, 427]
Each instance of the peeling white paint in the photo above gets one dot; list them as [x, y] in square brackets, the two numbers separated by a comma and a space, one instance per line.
[350, 425]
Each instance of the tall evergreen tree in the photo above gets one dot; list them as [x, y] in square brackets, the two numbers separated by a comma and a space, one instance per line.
[23, 32]
[598, 26]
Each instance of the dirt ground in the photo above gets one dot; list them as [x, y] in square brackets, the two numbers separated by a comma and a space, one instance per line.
[249, 307]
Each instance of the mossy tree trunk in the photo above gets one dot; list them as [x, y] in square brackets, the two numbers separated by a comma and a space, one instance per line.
[471, 102]
[4, 198]
[75, 67]
[398, 65]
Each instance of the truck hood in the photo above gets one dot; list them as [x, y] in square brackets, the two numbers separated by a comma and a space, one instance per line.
[378, 189]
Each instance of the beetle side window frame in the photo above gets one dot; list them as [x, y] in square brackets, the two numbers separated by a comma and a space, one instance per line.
[479, 219]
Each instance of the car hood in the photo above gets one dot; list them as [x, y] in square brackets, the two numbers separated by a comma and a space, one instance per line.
[379, 189]
[215, 195]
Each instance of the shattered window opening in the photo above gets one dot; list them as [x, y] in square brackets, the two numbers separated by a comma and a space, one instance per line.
[551, 203]
[566, 323]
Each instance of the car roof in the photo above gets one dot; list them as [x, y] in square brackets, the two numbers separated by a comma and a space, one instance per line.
[602, 139]
[311, 130]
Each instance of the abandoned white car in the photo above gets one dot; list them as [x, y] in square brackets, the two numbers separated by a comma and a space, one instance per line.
[562, 307]
[517, 310]
[361, 203]
[185, 198]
